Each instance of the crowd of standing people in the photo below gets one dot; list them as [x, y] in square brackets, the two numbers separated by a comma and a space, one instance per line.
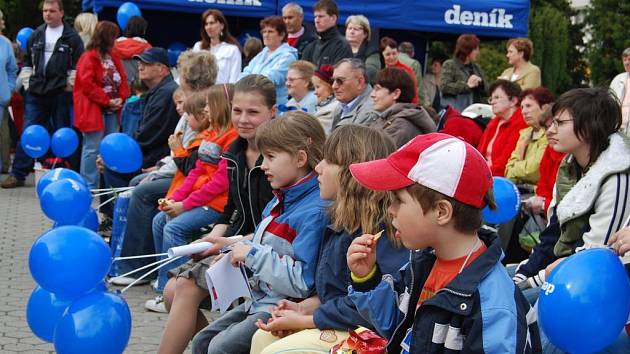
[311, 145]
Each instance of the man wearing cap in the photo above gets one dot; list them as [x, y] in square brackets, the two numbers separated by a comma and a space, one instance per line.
[52, 53]
[159, 117]
[454, 294]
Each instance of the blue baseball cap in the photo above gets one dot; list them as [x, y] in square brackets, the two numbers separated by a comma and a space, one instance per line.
[153, 55]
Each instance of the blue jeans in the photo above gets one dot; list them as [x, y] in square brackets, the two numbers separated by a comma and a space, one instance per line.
[113, 179]
[91, 143]
[138, 239]
[52, 112]
[229, 334]
[172, 232]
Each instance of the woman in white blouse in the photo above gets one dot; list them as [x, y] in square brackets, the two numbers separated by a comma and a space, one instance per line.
[216, 37]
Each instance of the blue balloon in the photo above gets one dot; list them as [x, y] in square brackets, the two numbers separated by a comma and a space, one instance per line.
[584, 304]
[56, 175]
[43, 311]
[98, 323]
[64, 142]
[65, 201]
[35, 141]
[23, 36]
[121, 153]
[69, 261]
[507, 199]
[174, 50]
[125, 12]
[89, 221]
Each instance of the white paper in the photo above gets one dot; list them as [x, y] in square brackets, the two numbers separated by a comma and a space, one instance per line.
[226, 283]
[187, 250]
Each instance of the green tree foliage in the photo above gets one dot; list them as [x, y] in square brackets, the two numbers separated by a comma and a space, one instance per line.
[492, 59]
[610, 31]
[549, 30]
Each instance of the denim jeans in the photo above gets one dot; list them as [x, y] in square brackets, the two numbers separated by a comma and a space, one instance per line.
[138, 239]
[172, 232]
[229, 334]
[52, 112]
[91, 143]
[113, 179]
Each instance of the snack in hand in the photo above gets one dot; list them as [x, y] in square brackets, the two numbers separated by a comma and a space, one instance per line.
[378, 235]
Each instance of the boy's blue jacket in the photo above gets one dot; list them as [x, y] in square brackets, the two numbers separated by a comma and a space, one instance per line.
[480, 311]
[286, 243]
[337, 311]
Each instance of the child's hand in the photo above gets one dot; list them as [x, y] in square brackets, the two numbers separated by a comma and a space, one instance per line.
[239, 253]
[175, 141]
[100, 165]
[361, 255]
[173, 209]
[282, 326]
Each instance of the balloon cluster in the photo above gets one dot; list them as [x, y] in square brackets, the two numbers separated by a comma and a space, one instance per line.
[35, 141]
[71, 307]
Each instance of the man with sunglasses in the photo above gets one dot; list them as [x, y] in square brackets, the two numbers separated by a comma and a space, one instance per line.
[352, 90]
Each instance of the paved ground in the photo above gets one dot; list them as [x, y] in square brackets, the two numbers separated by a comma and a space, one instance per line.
[21, 222]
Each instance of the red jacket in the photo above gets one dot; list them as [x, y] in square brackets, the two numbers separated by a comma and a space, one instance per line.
[549, 165]
[88, 96]
[503, 144]
[126, 47]
[461, 127]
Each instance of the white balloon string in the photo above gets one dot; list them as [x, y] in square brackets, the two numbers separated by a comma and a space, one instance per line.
[170, 260]
[137, 257]
[139, 269]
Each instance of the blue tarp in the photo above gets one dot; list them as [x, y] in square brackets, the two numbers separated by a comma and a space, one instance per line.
[499, 18]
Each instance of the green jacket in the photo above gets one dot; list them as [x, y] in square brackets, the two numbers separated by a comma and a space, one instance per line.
[526, 170]
[454, 89]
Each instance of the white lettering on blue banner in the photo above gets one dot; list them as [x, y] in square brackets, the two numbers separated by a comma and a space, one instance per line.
[231, 2]
[495, 18]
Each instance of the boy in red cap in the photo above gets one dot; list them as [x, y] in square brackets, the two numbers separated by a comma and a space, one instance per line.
[454, 295]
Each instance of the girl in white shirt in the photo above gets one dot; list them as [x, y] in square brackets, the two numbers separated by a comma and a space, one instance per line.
[216, 37]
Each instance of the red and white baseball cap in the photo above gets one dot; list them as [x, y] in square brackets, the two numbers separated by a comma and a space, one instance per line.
[438, 161]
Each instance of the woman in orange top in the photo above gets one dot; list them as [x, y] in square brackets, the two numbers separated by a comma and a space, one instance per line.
[197, 200]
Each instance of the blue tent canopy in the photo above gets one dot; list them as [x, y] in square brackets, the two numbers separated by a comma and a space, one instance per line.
[495, 18]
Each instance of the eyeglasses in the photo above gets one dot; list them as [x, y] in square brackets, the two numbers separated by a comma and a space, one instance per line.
[339, 80]
[555, 122]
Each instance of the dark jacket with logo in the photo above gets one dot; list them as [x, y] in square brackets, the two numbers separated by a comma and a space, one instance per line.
[159, 120]
[305, 39]
[52, 78]
[480, 311]
[328, 49]
[249, 191]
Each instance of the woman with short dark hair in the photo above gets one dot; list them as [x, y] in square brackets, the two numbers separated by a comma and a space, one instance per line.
[274, 60]
[463, 81]
[392, 98]
[99, 92]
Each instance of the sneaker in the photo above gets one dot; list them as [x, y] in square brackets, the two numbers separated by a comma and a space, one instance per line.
[124, 281]
[156, 305]
[12, 182]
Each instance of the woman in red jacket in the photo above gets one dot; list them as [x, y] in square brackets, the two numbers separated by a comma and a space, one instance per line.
[500, 137]
[99, 92]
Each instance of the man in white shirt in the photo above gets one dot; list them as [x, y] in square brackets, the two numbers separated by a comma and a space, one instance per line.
[47, 77]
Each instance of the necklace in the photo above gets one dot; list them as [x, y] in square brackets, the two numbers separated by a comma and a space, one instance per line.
[472, 249]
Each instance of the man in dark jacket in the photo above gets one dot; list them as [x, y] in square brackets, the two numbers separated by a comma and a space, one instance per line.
[48, 74]
[159, 117]
[298, 36]
[331, 45]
